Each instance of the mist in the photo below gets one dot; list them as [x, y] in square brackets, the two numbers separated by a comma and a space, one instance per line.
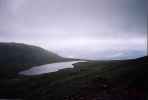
[88, 29]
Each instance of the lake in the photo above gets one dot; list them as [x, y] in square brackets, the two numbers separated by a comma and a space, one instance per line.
[47, 68]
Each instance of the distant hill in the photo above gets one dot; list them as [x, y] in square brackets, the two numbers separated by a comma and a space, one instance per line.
[16, 56]
[14, 53]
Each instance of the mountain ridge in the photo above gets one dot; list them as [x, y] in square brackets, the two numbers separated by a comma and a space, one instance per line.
[18, 56]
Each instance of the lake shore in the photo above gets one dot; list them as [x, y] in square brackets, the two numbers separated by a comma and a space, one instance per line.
[90, 80]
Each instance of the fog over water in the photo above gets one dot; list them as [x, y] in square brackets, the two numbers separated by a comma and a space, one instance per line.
[90, 29]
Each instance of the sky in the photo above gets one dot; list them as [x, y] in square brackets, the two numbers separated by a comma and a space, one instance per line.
[90, 29]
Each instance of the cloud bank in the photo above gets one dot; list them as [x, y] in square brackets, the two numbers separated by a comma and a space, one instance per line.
[96, 29]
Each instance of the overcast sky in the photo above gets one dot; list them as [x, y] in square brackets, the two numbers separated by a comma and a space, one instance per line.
[93, 29]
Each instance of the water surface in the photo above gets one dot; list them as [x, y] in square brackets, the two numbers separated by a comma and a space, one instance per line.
[43, 69]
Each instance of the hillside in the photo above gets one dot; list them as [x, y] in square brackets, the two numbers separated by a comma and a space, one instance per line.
[15, 56]
[92, 80]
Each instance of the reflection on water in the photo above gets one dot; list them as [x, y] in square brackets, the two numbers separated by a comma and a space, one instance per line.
[48, 68]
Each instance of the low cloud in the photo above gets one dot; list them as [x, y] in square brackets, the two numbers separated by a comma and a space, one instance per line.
[77, 28]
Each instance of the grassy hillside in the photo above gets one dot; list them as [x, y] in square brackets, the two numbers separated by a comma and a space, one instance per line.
[92, 80]
[15, 57]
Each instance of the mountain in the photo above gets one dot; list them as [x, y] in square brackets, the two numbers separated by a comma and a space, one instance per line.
[16, 56]
[91, 80]
[14, 53]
